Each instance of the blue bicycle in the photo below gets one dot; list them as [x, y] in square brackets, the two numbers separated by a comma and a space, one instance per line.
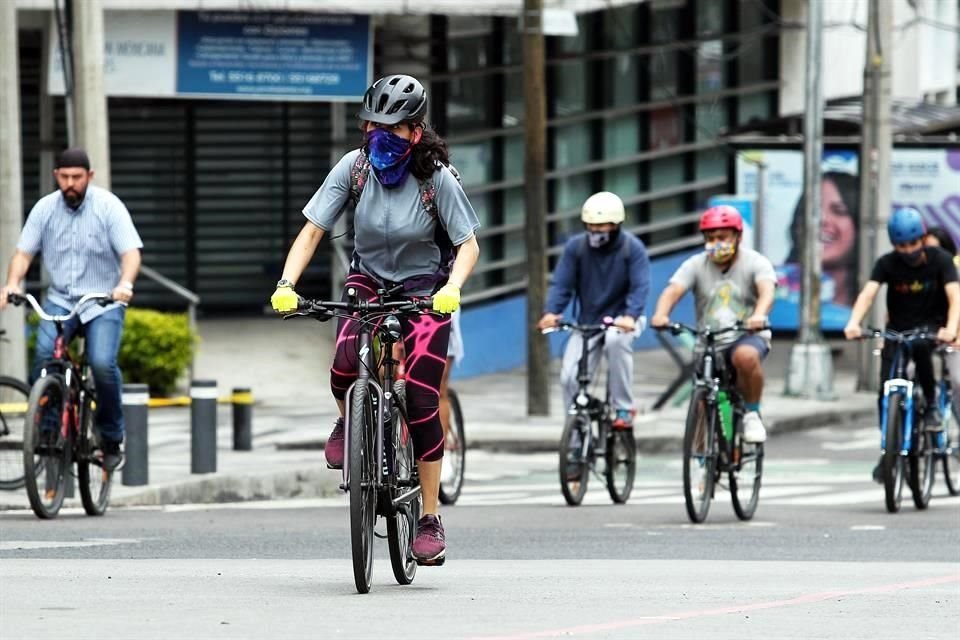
[907, 447]
[948, 438]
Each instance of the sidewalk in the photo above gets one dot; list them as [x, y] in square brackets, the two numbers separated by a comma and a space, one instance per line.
[286, 367]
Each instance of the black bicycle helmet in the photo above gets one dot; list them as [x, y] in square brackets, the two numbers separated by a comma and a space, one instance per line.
[394, 99]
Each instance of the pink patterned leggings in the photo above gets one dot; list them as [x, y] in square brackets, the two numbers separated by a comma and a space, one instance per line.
[425, 340]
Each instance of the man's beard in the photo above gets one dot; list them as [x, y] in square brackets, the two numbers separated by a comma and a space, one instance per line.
[73, 197]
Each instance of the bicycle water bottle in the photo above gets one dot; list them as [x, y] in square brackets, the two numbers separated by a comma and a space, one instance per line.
[726, 414]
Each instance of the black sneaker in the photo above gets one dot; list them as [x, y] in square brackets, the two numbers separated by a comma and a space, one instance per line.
[932, 420]
[112, 456]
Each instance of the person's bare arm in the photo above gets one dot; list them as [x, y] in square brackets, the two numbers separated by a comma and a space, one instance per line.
[665, 304]
[301, 252]
[129, 269]
[952, 290]
[467, 255]
[860, 308]
[765, 290]
[16, 272]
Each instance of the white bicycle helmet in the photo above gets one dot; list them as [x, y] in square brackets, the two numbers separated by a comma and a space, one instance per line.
[603, 207]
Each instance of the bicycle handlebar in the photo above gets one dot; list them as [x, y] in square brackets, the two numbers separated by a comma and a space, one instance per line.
[910, 335]
[326, 309]
[677, 328]
[101, 298]
[579, 328]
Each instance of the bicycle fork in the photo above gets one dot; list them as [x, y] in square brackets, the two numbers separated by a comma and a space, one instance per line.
[906, 388]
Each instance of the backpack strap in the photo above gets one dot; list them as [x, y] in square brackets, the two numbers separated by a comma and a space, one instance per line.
[359, 173]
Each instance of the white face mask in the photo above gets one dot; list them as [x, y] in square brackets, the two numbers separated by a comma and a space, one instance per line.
[598, 238]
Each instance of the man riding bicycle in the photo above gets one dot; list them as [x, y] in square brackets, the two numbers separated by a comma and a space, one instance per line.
[607, 271]
[922, 291]
[89, 245]
[730, 283]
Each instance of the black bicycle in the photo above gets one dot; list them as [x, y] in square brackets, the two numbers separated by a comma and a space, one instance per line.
[58, 427]
[13, 409]
[379, 471]
[454, 453]
[588, 434]
[713, 441]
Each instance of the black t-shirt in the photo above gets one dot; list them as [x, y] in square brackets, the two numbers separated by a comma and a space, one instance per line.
[915, 295]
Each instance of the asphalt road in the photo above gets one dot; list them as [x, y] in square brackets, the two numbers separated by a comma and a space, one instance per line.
[821, 559]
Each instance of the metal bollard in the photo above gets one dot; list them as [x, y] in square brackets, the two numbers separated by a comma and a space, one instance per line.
[135, 409]
[242, 419]
[203, 426]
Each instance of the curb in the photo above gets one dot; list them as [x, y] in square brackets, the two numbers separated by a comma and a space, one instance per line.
[301, 483]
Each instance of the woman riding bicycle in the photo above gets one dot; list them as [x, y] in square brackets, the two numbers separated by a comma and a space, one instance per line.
[400, 169]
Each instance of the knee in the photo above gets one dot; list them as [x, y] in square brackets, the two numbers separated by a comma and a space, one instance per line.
[746, 358]
[102, 367]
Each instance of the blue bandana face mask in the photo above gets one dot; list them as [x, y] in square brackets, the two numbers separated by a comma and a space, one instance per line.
[389, 156]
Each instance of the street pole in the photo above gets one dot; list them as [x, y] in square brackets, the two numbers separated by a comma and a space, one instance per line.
[13, 354]
[811, 370]
[875, 152]
[90, 100]
[535, 199]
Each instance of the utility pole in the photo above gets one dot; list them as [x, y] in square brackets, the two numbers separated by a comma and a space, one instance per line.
[90, 100]
[13, 354]
[535, 200]
[875, 152]
[811, 370]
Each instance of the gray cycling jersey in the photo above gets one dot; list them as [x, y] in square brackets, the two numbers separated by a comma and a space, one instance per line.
[394, 233]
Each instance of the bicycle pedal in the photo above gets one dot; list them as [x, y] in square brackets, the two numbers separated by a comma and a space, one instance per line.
[431, 563]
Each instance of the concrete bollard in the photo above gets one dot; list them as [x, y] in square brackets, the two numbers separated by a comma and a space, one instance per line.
[242, 419]
[135, 469]
[203, 426]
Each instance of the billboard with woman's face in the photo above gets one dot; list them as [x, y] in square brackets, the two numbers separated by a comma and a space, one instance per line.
[783, 229]
[927, 179]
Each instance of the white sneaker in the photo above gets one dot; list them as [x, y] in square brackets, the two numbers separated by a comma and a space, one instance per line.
[753, 429]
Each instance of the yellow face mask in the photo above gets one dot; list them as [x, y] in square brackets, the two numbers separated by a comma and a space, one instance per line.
[721, 252]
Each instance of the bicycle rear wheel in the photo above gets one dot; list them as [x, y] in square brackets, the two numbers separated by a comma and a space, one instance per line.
[95, 481]
[454, 453]
[891, 465]
[951, 451]
[699, 456]
[362, 486]
[920, 467]
[14, 396]
[402, 526]
[745, 483]
[46, 452]
[621, 464]
[575, 458]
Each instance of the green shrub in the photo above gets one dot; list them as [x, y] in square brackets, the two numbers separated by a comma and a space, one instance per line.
[156, 349]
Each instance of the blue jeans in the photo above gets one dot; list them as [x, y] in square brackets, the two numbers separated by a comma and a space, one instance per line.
[103, 335]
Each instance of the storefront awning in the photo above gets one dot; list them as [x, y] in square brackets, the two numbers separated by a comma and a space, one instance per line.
[372, 7]
[843, 121]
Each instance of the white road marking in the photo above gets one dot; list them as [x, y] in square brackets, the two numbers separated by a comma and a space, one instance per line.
[24, 545]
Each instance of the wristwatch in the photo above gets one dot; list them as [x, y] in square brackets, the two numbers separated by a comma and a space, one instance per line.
[284, 283]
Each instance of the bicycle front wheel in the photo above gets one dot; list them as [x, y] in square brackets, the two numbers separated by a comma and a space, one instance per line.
[454, 453]
[46, 452]
[699, 456]
[575, 458]
[362, 486]
[621, 464]
[951, 451]
[891, 465]
[95, 481]
[402, 526]
[920, 467]
[745, 483]
[14, 396]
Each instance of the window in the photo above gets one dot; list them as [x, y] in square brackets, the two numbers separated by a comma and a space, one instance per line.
[570, 87]
[621, 137]
[571, 145]
[666, 172]
[711, 119]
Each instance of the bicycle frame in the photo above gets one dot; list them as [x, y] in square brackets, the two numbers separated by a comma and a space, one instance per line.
[900, 383]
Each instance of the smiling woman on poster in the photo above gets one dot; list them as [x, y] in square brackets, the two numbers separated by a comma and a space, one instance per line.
[839, 237]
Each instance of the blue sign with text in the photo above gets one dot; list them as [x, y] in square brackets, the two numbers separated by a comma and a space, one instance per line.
[273, 55]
